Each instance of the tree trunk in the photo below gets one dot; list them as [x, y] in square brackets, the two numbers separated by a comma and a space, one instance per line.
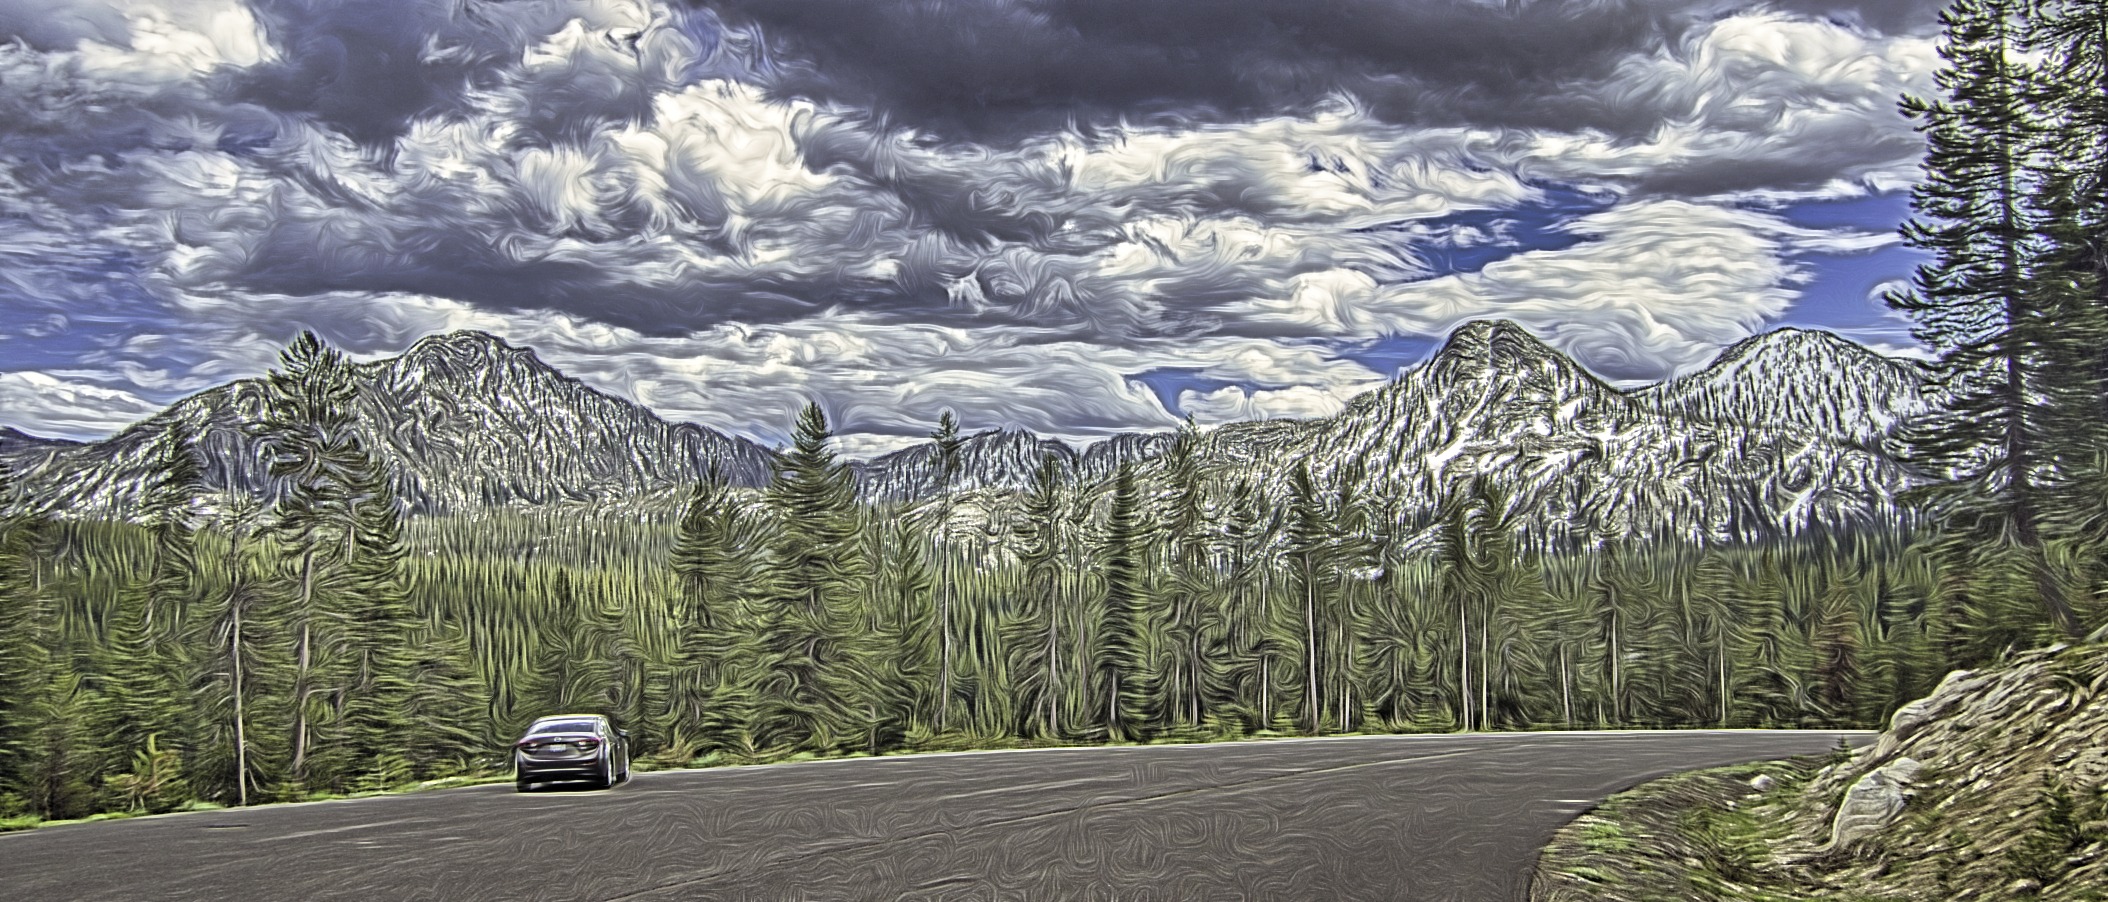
[303, 657]
[1463, 666]
[241, 735]
[1310, 649]
[1566, 695]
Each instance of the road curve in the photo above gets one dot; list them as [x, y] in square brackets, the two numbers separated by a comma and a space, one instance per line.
[1424, 818]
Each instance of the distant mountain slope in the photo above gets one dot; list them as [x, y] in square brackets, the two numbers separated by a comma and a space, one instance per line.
[1797, 379]
[997, 459]
[1580, 461]
[477, 421]
[464, 420]
[1004, 459]
[15, 441]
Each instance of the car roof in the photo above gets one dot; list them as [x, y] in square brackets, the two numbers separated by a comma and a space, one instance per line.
[593, 717]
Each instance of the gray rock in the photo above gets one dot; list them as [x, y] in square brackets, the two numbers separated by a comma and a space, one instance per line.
[1911, 718]
[1872, 803]
[1762, 783]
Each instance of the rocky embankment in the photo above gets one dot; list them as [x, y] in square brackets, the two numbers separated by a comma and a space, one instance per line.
[1993, 787]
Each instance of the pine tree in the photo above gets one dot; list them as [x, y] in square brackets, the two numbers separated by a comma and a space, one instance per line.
[907, 623]
[384, 651]
[948, 443]
[142, 669]
[818, 693]
[236, 679]
[1990, 444]
[1039, 634]
[27, 668]
[1309, 555]
[1834, 681]
[2073, 96]
[304, 421]
[1189, 619]
[714, 566]
[1120, 661]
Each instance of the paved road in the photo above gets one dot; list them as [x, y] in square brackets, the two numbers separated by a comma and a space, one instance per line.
[1432, 818]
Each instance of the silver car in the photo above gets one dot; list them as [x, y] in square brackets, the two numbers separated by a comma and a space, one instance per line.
[571, 747]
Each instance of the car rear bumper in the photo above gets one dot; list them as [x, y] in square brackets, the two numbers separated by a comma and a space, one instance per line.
[566, 769]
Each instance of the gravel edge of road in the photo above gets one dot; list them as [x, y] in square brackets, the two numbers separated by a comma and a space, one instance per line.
[1695, 835]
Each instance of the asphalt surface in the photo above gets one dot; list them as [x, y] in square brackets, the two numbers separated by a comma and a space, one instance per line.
[1435, 818]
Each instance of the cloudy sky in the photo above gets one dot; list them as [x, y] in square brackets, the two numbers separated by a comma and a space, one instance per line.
[1078, 217]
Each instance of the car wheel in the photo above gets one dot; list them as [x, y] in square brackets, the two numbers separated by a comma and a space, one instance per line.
[625, 765]
[522, 785]
[607, 773]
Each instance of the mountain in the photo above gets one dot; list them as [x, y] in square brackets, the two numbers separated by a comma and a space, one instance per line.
[1797, 379]
[464, 420]
[14, 443]
[997, 459]
[1711, 458]
[1781, 432]
[477, 421]
[1004, 459]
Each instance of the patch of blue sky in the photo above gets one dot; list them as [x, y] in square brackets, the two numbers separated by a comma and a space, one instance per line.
[66, 308]
[1470, 240]
[1843, 291]
[1874, 212]
[1168, 383]
[1391, 354]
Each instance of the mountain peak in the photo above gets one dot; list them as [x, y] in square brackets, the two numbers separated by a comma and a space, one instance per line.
[1502, 350]
[1484, 333]
[468, 353]
[1803, 379]
[1794, 340]
[464, 341]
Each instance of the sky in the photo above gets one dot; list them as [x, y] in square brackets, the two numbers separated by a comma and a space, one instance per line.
[1077, 217]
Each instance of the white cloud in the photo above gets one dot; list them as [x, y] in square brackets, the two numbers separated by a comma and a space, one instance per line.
[1773, 105]
[1659, 288]
[1232, 404]
[56, 406]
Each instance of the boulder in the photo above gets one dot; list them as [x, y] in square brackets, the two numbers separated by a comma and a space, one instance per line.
[1872, 803]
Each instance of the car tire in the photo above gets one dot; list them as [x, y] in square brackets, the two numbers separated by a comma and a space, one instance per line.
[607, 773]
[625, 765]
[522, 785]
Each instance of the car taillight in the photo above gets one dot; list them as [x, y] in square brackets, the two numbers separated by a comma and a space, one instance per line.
[588, 744]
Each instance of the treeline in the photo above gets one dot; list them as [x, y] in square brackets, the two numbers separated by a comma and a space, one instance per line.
[260, 651]
[157, 664]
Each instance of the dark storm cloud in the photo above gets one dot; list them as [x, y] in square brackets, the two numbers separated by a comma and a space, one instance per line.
[58, 25]
[1886, 16]
[360, 66]
[1001, 69]
[368, 68]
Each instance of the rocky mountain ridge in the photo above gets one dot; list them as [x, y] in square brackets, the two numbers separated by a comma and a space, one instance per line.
[463, 420]
[1725, 454]
[1781, 432]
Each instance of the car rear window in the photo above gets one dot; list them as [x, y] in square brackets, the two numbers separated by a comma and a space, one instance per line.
[563, 726]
